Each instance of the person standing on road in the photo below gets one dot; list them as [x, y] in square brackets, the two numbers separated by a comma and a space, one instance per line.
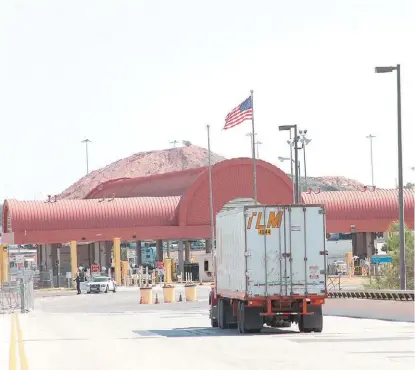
[78, 282]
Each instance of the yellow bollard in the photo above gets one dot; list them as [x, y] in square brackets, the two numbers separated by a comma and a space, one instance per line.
[168, 294]
[74, 260]
[146, 295]
[167, 270]
[190, 291]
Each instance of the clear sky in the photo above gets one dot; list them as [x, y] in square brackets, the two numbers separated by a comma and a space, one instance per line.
[133, 75]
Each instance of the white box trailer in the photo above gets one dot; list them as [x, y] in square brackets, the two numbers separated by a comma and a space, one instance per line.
[271, 260]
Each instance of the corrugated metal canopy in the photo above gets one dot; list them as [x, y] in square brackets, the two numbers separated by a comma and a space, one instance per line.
[162, 185]
[28, 216]
[379, 206]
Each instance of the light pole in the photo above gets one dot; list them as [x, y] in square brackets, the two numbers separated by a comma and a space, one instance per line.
[371, 137]
[86, 141]
[305, 140]
[256, 143]
[282, 159]
[294, 128]
[291, 144]
[174, 142]
[397, 68]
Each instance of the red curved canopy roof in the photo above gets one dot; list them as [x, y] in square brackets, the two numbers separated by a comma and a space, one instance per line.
[368, 210]
[176, 205]
[146, 206]
[28, 216]
[162, 185]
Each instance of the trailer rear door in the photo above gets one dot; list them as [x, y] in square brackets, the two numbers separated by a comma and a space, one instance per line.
[285, 250]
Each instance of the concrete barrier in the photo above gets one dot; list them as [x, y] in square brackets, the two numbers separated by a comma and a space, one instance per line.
[370, 309]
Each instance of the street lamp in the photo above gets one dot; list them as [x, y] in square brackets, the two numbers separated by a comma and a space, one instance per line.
[291, 144]
[256, 143]
[389, 69]
[305, 140]
[86, 141]
[174, 142]
[289, 128]
[371, 137]
[282, 159]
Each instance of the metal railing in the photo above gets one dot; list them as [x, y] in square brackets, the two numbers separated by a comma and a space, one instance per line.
[396, 295]
[17, 294]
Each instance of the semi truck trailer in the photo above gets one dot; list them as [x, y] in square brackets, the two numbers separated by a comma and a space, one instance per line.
[270, 268]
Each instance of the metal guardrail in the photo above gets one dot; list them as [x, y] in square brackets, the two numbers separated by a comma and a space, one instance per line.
[17, 294]
[390, 295]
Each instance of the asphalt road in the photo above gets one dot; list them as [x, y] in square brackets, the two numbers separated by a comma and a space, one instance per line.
[111, 331]
[127, 298]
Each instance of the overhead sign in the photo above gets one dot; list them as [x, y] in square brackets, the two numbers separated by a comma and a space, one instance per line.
[381, 258]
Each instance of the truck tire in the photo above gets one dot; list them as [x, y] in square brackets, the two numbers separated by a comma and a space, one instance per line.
[213, 322]
[248, 319]
[221, 314]
[309, 323]
[240, 318]
[225, 315]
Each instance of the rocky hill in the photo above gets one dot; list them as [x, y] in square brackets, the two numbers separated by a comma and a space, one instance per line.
[142, 164]
[333, 183]
[176, 159]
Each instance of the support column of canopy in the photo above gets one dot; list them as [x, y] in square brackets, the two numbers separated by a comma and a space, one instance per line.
[96, 254]
[159, 250]
[74, 259]
[138, 253]
[4, 264]
[187, 251]
[180, 257]
[117, 260]
[208, 246]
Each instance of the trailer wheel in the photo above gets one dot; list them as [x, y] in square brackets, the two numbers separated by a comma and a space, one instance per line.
[222, 314]
[309, 323]
[240, 318]
[213, 322]
[248, 319]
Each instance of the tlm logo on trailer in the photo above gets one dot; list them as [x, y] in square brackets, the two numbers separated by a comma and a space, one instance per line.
[265, 224]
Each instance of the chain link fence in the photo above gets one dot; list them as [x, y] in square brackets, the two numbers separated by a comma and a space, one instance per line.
[17, 294]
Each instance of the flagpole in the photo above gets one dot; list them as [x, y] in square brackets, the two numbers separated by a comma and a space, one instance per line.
[253, 146]
[212, 220]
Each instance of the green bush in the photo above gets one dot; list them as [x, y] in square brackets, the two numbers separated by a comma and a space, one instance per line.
[390, 278]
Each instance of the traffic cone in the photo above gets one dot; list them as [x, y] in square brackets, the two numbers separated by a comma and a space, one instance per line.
[180, 297]
[141, 299]
[157, 300]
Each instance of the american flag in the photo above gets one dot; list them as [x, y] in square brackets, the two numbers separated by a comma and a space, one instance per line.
[239, 114]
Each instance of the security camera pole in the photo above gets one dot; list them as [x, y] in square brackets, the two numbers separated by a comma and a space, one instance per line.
[86, 142]
[305, 140]
[297, 182]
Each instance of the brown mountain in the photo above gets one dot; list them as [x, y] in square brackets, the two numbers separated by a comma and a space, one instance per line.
[176, 159]
[142, 164]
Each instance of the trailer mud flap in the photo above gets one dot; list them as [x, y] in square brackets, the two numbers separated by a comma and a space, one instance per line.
[313, 322]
